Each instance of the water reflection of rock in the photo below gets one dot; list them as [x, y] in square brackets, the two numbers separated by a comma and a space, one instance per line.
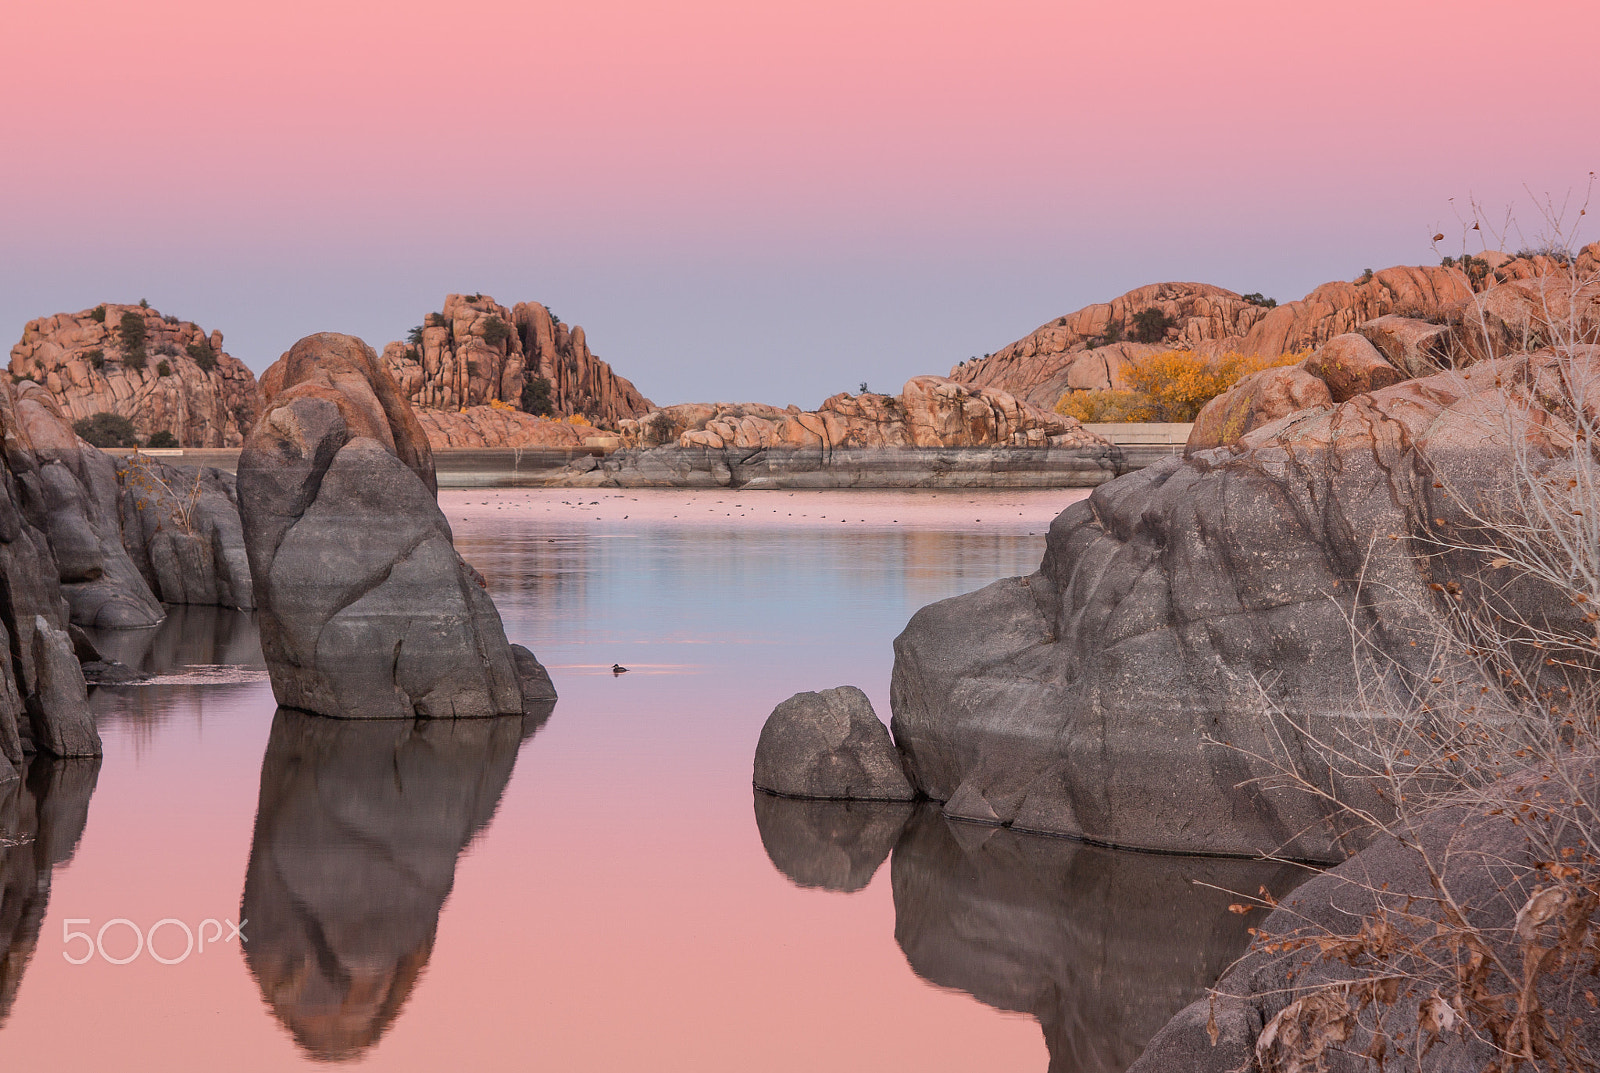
[199, 657]
[42, 816]
[190, 636]
[1101, 946]
[357, 833]
[835, 845]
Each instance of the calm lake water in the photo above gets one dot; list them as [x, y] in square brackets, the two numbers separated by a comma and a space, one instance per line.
[603, 891]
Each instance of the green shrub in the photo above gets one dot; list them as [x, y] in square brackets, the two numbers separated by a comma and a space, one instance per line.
[162, 439]
[1256, 298]
[144, 304]
[163, 369]
[202, 355]
[96, 357]
[98, 314]
[435, 320]
[1366, 276]
[496, 331]
[168, 350]
[131, 330]
[1112, 334]
[1150, 325]
[106, 429]
[414, 336]
[536, 396]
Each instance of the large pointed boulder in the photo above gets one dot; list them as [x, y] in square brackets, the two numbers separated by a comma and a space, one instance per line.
[367, 611]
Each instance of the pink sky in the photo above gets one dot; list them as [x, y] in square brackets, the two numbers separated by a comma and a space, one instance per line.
[768, 200]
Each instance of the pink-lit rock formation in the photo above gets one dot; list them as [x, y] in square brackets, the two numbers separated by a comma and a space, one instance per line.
[92, 362]
[477, 352]
[1073, 352]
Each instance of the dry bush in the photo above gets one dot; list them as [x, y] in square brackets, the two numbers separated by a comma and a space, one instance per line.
[1496, 743]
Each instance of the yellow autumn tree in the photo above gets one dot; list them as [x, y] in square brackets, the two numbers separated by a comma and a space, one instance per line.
[1171, 385]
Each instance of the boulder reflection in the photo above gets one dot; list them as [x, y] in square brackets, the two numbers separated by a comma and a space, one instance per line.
[357, 834]
[1102, 946]
[42, 816]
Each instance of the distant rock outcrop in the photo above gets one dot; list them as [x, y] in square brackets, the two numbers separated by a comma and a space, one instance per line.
[1088, 349]
[936, 433]
[929, 412]
[477, 352]
[366, 609]
[162, 373]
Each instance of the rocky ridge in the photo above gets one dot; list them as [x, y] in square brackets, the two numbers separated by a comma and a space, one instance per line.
[110, 359]
[1073, 352]
[1518, 315]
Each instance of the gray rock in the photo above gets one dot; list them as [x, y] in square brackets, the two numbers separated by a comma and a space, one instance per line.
[62, 723]
[366, 609]
[829, 745]
[182, 530]
[69, 492]
[835, 845]
[1083, 699]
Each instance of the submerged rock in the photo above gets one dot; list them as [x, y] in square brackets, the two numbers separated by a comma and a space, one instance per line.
[829, 745]
[367, 611]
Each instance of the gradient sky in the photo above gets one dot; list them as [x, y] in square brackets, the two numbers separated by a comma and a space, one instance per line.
[768, 200]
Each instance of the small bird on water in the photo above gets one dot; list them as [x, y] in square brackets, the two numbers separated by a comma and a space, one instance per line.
[617, 668]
